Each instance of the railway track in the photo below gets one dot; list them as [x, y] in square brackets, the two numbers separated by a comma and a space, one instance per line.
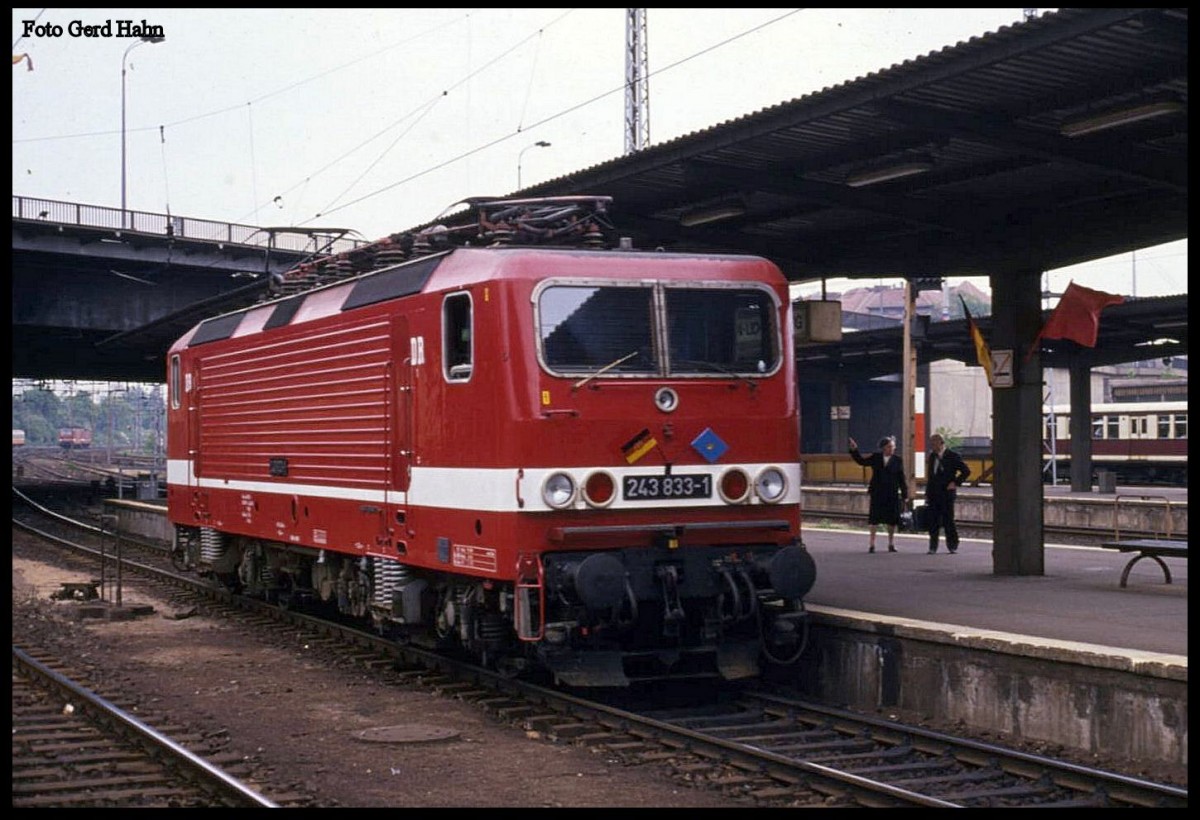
[784, 744]
[119, 475]
[73, 748]
[772, 748]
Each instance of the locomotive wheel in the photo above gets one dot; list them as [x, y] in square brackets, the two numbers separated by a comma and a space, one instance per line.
[511, 667]
[227, 581]
[183, 557]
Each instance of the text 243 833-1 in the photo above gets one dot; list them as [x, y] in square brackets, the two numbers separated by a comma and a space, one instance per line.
[652, 487]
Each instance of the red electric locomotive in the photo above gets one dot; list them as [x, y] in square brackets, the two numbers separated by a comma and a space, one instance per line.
[74, 438]
[560, 457]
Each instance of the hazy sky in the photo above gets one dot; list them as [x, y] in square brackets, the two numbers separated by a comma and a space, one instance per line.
[380, 120]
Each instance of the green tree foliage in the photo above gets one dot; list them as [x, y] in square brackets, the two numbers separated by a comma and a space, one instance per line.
[953, 438]
[978, 307]
[132, 419]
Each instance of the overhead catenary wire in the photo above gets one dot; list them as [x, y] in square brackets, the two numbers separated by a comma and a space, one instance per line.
[521, 126]
[253, 163]
[529, 85]
[427, 107]
[21, 37]
[570, 110]
[162, 143]
[237, 106]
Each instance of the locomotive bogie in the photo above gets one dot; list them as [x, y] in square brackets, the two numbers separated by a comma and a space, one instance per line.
[606, 615]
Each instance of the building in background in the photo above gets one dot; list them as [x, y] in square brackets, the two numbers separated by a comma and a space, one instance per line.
[958, 399]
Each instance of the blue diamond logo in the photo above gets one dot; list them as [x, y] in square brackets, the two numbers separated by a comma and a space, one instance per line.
[709, 445]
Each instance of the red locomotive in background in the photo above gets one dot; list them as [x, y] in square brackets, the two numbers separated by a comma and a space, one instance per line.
[507, 438]
[74, 438]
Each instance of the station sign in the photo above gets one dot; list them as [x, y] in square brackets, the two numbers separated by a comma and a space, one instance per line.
[1002, 368]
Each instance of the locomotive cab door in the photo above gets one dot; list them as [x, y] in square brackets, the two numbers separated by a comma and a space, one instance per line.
[194, 465]
[403, 400]
[400, 431]
[191, 401]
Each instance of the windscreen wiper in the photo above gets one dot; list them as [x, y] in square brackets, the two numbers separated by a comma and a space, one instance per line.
[604, 369]
[719, 368]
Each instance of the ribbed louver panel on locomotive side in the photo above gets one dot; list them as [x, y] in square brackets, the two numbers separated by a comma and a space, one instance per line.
[305, 408]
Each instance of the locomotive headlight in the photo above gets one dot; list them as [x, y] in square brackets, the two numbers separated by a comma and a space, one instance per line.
[770, 485]
[559, 490]
[734, 486]
[599, 489]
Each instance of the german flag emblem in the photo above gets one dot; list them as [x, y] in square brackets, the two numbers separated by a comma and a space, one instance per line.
[638, 446]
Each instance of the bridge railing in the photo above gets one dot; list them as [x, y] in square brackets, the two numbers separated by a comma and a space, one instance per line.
[181, 227]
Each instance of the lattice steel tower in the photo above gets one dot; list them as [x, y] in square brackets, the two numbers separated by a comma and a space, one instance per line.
[637, 82]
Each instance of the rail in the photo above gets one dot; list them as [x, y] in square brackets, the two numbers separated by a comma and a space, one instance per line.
[178, 227]
[126, 724]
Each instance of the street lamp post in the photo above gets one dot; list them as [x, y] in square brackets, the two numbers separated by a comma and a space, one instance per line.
[142, 40]
[538, 144]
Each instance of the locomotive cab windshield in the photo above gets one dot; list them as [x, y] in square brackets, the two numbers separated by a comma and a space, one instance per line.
[657, 329]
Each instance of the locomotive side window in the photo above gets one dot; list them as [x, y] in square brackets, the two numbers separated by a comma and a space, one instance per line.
[174, 385]
[586, 329]
[1164, 425]
[1097, 426]
[1114, 426]
[1181, 425]
[720, 330]
[457, 343]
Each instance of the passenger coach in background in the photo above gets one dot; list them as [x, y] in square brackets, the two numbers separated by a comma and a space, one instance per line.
[507, 438]
[1141, 442]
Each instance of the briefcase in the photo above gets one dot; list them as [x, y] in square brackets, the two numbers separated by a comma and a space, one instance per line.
[920, 518]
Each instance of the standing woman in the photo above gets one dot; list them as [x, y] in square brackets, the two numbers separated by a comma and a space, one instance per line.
[888, 489]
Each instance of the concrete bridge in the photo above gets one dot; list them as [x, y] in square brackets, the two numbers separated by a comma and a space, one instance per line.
[101, 293]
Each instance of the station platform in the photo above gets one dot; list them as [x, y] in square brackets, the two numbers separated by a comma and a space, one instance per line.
[1078, 600]
[1069, 657]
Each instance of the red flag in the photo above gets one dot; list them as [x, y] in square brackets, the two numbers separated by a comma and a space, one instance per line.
[1077, 316]
[982, 352]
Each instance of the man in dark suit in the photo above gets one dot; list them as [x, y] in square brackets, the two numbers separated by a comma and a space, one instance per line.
[944, 474]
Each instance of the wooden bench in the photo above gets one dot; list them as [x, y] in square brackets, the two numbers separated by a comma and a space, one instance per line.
[1153, 548]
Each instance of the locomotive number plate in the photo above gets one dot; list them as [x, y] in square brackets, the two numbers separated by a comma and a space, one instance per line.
[657, 487]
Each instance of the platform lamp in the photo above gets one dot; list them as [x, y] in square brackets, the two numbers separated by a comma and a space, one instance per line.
[538, 144]
[140, 41]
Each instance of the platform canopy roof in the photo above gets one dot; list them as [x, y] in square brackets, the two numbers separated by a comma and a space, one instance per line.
[1046, 143]
[1049, 142]
[1136, 330]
